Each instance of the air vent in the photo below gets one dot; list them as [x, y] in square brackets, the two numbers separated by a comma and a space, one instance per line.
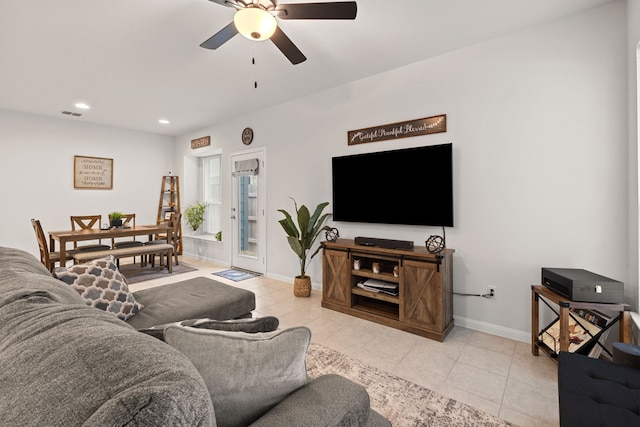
[71, 113]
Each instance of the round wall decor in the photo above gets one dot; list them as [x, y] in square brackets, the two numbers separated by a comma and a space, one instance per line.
[247, 136]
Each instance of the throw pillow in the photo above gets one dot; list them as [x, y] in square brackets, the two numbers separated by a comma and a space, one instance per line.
[250, 325]
[246, 374]
[102, 286]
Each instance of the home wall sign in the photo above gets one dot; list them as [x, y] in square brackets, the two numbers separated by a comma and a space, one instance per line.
[205, 141]
[92, 172]
[426, 126]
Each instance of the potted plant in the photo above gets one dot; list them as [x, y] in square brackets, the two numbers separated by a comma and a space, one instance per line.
[195, 215]
[301, 235]
[115, 218]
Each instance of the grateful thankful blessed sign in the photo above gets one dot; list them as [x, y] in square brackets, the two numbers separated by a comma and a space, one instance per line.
[428, 125]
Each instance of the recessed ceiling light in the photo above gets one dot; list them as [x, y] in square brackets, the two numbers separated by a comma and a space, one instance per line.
[163, 121]
[82, 106]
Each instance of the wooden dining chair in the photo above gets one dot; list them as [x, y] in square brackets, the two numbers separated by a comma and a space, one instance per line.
[172, 237]
[86, 222]
[49, 259]
[128, 220]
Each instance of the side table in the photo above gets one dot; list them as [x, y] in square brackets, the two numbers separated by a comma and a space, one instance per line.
[564, 303]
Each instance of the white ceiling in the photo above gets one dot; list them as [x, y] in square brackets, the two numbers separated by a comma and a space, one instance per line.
[136, 61]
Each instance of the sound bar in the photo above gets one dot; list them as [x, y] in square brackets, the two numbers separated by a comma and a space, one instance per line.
[384, 243]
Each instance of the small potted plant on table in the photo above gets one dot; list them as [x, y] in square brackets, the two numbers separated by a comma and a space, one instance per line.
[115, 218]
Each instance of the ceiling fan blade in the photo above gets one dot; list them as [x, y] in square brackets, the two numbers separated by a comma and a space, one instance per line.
[286, 46]
[335, 10]
[221, 37]
[228, 3]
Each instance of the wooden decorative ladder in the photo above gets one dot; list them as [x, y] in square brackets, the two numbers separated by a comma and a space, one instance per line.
[170, 203]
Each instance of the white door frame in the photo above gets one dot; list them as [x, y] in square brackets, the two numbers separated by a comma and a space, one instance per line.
[258, 263]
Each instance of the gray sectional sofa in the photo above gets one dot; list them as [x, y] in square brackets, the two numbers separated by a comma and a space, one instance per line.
[64, 363]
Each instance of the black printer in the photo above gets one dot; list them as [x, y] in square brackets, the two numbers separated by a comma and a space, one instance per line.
[582, 285]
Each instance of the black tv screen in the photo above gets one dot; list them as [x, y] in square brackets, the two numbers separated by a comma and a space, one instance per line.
[412, 186]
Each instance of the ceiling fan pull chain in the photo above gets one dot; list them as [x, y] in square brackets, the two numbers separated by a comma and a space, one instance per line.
[255, 71]
[255, 74]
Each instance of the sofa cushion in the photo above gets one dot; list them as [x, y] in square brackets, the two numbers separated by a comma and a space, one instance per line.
[249, 325]
[18, 260]
[102, 285]
[22, 276]
[595, 392]
[246, 374]
[196, 298]
[329, 400]
[66, 364]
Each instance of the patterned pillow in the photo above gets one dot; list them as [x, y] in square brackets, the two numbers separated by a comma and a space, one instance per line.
[102, 286]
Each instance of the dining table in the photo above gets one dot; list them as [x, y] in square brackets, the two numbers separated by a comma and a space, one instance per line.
[66, 236]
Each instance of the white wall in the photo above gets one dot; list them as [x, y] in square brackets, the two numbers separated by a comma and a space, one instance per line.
[538, 121]
[633, 55]
[539, 124]
[36, 171]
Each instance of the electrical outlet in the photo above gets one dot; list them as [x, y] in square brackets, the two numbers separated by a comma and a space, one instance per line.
[491, 290]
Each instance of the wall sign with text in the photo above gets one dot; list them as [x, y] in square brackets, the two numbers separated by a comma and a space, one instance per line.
[205, 141]
[92, 172]
[426, 126]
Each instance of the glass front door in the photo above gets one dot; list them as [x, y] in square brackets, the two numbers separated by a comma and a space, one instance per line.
[248, 211]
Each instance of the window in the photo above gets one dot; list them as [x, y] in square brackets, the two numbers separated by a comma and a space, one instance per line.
[212, 189]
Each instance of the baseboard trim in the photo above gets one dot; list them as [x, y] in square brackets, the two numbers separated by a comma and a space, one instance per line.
[476, 325]
[287, 279]
[492, 329]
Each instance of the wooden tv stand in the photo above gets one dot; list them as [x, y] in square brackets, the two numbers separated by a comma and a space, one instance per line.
[424, 305]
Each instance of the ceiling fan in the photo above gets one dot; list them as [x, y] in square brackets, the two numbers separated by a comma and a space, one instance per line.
[255, 20]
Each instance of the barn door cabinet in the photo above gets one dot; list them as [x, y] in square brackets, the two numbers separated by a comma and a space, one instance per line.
[424, 304]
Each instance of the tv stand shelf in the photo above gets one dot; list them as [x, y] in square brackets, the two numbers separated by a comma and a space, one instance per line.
[375, 295]
[424, 304]
[387, 277]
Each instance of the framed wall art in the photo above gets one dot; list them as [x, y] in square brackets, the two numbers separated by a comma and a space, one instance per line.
[92, 172]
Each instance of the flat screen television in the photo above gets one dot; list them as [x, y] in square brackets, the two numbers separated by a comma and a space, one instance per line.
[412, 186]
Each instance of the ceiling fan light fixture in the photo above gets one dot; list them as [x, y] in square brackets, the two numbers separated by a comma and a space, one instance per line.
[254, 23]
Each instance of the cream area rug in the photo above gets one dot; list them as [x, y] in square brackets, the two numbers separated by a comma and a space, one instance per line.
[400, 401]
[134, 273]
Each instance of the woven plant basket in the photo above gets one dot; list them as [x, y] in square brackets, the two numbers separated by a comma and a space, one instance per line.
[302, 286]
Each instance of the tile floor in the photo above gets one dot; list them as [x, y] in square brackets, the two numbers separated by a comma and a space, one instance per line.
[494, 374]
